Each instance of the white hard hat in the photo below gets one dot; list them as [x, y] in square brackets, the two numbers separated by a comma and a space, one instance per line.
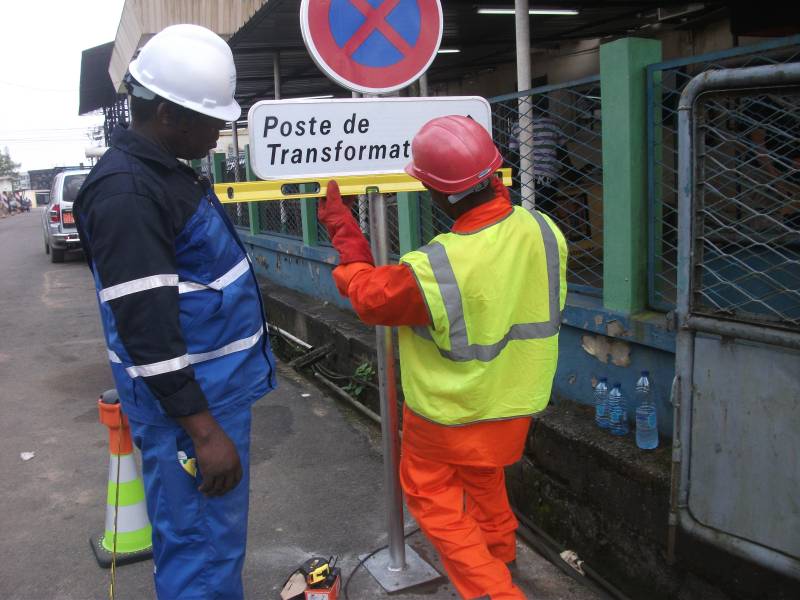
[191, 66]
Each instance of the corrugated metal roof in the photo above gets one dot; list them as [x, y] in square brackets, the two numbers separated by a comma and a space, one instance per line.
[485, 41]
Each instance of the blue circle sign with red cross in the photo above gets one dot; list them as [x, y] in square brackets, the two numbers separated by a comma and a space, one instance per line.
[372, 46]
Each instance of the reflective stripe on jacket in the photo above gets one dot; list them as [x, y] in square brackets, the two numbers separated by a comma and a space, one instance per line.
[495, 298]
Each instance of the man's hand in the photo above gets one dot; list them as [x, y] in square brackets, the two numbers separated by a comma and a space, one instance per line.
[217, 457]
[342, 228]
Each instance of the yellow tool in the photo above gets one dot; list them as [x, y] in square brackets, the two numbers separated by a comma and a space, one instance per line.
[289, 189]
[316, 570]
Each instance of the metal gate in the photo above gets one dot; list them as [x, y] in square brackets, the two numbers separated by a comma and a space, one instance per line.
[736, 476]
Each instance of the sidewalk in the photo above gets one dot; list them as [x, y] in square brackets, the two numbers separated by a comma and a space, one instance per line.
[317, 489]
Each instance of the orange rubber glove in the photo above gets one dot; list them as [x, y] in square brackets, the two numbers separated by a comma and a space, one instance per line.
[342, 228]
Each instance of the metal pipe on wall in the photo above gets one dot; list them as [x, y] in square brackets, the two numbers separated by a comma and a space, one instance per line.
[525, 106]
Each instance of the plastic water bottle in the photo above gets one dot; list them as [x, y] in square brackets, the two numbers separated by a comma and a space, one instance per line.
[646, 417]
[601, 403]
[617, 413]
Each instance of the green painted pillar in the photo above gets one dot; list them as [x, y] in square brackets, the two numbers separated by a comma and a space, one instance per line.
[622, 84]
[408, 221]
[252, 207]
[195, 164]
[218, 167]
[426, 217]
[308, 216]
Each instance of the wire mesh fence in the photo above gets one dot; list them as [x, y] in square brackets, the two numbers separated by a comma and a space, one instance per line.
[281, 217]
[665, 83]
[551, 138]
[747, 211]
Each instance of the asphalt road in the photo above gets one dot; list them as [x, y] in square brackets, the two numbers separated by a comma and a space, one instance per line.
[316, 485]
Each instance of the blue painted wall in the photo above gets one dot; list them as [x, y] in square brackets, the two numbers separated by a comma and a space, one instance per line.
[635, 343]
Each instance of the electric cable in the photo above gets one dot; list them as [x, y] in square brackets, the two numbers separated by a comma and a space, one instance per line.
[366, 558]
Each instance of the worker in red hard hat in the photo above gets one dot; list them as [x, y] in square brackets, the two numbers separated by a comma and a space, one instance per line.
[478, 311]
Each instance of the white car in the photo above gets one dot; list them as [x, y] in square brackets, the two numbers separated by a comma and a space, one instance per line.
[60, 233]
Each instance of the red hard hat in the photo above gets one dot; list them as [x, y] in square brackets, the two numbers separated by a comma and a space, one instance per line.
[452, 155]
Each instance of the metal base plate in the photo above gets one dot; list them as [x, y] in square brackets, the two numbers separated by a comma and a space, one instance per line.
[417, 571]
[104, 557]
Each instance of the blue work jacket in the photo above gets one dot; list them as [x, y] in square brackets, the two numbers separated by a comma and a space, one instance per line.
[179, 301]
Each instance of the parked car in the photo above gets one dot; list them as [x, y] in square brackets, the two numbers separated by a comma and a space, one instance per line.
[60, 233]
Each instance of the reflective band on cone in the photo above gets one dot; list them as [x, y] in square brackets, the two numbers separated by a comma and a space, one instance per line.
[133, 527]
[125, 498]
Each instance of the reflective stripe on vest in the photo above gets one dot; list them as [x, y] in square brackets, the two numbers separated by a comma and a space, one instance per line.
[460, 348]
[181, 362]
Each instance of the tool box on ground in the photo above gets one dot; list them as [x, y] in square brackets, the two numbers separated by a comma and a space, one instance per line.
[316, 579]
[323, 578]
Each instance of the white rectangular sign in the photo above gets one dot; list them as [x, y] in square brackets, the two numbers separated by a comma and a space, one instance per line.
[317, 139]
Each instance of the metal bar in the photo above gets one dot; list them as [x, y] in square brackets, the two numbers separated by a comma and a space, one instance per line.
[276, 74]
[766, 557]
[523, 48]
[276, 86]
[684, 341]
[388, 396]
[731, 53]
[261, 190]
[543, 89]
[348, 398]
[423, 84]
[770, 76]
[235, 140]
[745, 331]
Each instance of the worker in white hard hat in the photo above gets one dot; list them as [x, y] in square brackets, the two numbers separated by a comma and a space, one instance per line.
[181, 310]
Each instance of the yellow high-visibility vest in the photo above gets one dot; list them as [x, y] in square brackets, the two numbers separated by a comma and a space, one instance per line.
[495, 298]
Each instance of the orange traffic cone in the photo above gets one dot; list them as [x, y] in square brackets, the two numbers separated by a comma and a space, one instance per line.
[126, 510]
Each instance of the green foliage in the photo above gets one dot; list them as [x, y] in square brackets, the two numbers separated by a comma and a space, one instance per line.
[8, 166]
[362, 376]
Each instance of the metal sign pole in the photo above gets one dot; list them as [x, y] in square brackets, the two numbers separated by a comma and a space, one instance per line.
[390, 430]
[398, 566]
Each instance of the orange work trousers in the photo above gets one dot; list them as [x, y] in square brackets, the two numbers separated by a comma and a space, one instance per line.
[464, 512]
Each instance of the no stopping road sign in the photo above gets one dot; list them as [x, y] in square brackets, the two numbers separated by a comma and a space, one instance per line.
[372, 46]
